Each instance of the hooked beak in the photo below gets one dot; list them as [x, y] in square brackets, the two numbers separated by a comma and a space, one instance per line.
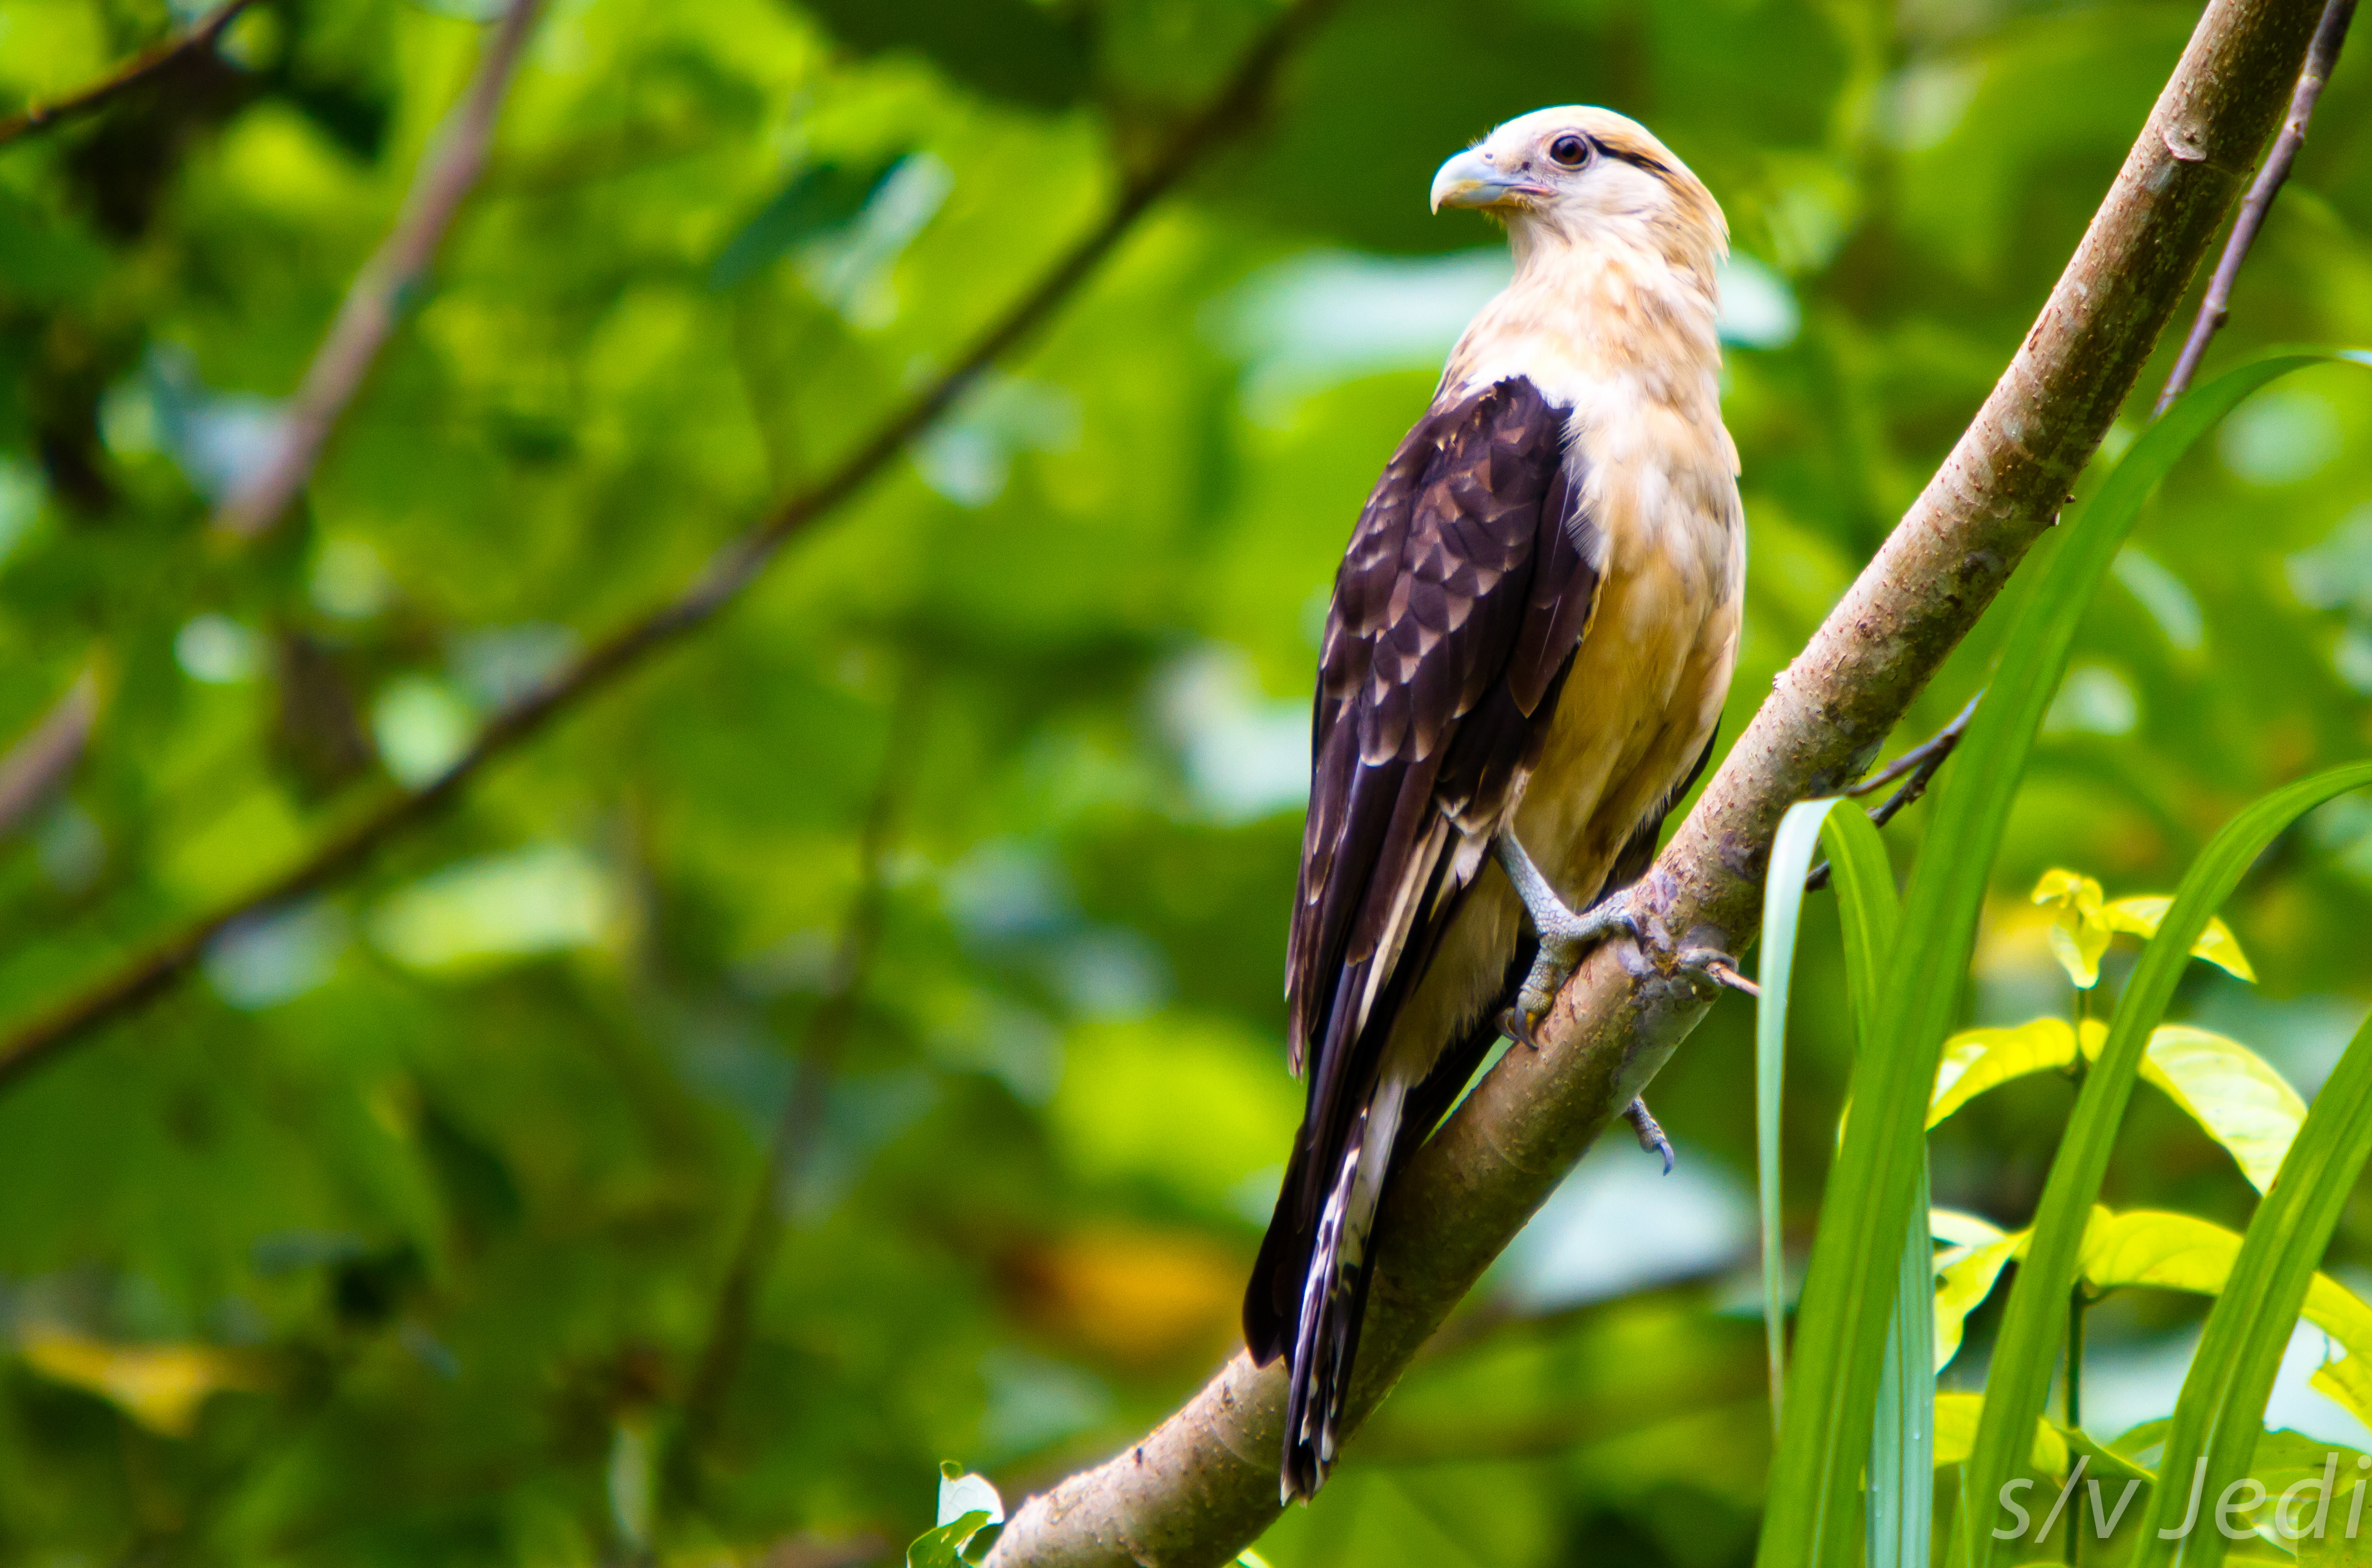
[1471, 180]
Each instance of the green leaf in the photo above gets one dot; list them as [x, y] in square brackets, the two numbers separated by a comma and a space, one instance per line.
[1868, 910]
[1956, 1434]
[942, 1545]
[819, 200]
[1901, 1488]
[2216, 944]
[2217, 1419]
[2232, 1092]
[2153, 1249]
[2078, 937]
[1900, 1495]
[970, 1514]
[1977, 1060]
[1783, 904]
[1964, 1277]
[2034, 656]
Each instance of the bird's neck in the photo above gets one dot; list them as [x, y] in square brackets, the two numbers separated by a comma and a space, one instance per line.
[1582, 315]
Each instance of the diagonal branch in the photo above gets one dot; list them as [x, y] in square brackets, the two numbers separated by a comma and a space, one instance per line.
[197, 38]
[376, 300]
[1204, 1483]
[2213, 309]
[154, 969]
[46, 755]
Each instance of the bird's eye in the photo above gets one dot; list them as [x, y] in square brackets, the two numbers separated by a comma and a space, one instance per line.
[1570, 151]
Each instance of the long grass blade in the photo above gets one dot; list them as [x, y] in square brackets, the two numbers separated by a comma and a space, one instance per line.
[2035, 1322]
[1782, 905]
[2033, 1325]
[1845, 1313]
[1903, 1440]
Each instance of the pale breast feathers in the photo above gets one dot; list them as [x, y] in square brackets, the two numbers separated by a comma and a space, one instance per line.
[1465, 588]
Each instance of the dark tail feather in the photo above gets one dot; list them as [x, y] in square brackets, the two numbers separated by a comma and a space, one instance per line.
[1333, 1302]
[1305, 1299]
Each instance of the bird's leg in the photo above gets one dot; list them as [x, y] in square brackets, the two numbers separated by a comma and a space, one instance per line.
[1564, 935]
[1651, 1134]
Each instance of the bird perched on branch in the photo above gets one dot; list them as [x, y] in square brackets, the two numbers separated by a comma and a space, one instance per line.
[1531, 640]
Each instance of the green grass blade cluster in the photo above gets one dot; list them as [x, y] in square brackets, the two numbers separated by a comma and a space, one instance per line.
[1849, 1293]
[2035, 1323]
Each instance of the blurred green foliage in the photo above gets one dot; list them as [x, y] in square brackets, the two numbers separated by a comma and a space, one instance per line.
[398, 1234]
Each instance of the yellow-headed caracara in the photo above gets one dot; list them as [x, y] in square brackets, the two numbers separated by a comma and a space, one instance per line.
[1530, 639]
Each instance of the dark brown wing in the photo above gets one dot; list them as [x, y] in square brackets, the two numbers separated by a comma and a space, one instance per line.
[1458, 604]
[1465, 589]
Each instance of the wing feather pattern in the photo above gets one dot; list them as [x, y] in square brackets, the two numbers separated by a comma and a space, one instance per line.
[1466, 588]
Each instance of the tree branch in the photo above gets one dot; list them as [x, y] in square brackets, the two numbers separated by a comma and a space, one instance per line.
[2321, 56]
[41, 760]
[388, 282]
[200, 35]
[1204, 1483]
[154, 969]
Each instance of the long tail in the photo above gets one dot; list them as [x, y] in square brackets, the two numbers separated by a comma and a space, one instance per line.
[1334, 1297]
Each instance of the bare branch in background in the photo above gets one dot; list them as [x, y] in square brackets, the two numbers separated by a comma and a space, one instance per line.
[200, 36]
[1200, 1486]
[1920, 762]
[2321, 56]
[375, 299]
[38, 764]
[1229, 112]
[795, 1132]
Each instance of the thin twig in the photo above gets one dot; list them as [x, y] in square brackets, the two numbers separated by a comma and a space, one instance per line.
[38, 763]
[788, 1153]
[200, 35]
[1920, 762]
[2217, 307]
[156, 969]
[387, 285]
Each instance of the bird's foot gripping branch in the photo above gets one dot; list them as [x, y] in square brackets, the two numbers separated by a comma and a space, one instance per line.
[1204, 1483]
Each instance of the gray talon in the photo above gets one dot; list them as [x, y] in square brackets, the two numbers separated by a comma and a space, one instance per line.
[1564, 936]
[1651, 1134]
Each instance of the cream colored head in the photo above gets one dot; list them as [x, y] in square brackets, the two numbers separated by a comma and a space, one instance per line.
[1580, 176]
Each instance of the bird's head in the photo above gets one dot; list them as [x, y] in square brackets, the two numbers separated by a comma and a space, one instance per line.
[1580, 175]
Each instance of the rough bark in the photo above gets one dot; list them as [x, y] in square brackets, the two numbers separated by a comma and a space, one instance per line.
[1204, 1483]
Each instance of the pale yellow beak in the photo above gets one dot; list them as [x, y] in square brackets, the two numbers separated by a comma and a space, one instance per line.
[1471, 180]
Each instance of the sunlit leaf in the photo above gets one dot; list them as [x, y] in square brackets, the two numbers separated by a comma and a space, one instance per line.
[161, 1386]
[2347, 1382]
[1964, 1277]
[2216, 944]
[2078, 937]
[2230, 1091]
[1956, 1434]
[1977, 1060]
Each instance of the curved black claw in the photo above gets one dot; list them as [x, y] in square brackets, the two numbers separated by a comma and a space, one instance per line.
[1650, 1132]
[1518, 1026]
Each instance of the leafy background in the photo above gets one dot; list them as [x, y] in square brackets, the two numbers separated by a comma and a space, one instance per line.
[400, 1234]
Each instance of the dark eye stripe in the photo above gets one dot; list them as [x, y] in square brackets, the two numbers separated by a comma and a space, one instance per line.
[1639, 161]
